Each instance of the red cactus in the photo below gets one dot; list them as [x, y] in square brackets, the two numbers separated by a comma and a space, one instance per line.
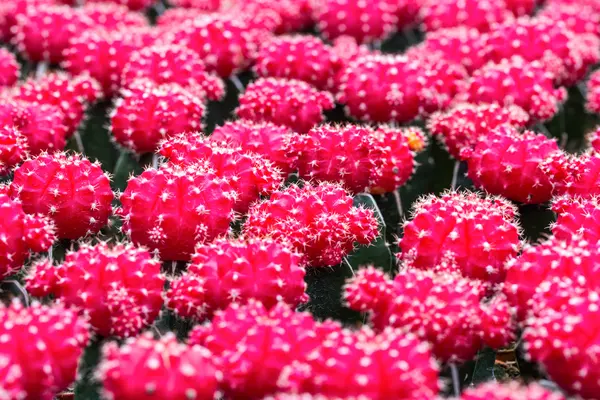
[264, 138]
[249, 175]
[13, 148]
[204, 5]
[112, 16]
[364, 21]
[292, 103]
[300, 57]
[574, 175]
[562, 334]
[69, 189]
[144, 367]
[482, 15]
[71, 94]
[516, 81]
[9, 11]
[41, 346]
[261, 16]
[554, 258]
[173, 64]
[462, 126]
[9, 68]
[510, 391]
[225, 44]
[174, 17]
[147, 113]
[509, 163]
[558, 49]
[229, 271]
[593, 140]
[41, 125]
[101, 54]
[118, 287]
[381, 88]
[579, 18]
[173, 208]
[319, 221]
[593, 93]
[361, 363]
[479, 233]
[442, 308]
[20, 233]
[42, 33]
[577, 218]
[133, 5]
[253, 346]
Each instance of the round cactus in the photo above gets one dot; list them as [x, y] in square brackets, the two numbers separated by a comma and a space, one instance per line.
[482, 15]
[147, 113]
[249, 175]
[510, 391]
[9, 68]
[362, 20]
[118, 287]
[302, 57]
[204, 5]
[579, 18]
[278, 16]
[479, 233]
[264, 138]
[133, 5]
[41, 125]
[562, 334]
[593, 140]
[509, 163]
[74, 192]
[225, 44]
[43, 33]
[593, 93]
[144, 367]
[71, 94]
[577, 218]
[319, 221]
[575, 259]
[292, 103]
[112, 16]
[574, 175]
[21, 233]
[9, 10]
[462, 126]
[101, 54]
[41, 346]
[380, 366]
[441, 308]
[173, 64]
[516, 81]
[13, 148]
[173, 208]
[228, 271]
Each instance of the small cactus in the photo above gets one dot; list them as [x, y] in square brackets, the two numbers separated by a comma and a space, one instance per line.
[510, 391]
[482, 15]
[9, 68]
[13, 148]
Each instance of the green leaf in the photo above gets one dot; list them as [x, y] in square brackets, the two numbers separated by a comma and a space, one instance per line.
[87, 387]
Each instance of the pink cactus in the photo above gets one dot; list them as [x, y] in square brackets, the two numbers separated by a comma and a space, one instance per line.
[173, 64]
[574, 175]
[9, 10]
[300, 57]
[101, 54]
[204, 5]
[9, 68]
[147, 113]
[74, 192]
[482, 15]
[118, 287]
[113, 16]
[507, 162]
[593, 93]
[562, 333]
[319, 221]
[71, 94]
[516, 81]
[234, 271]
[21, 233]
[479, 233]
[360, 363]
[40, 349]
[554, 258]
[40, 125]
[13, 148]
[593, 140]
[145, 367]
[42, 33]
[510, 391]
[225, 44]
[133, 5]
[579, 18]
[173, 208]
[264, 138]
[441, 308]
[362, 20]
[288, 102]
[461, 127]
[577, 218]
